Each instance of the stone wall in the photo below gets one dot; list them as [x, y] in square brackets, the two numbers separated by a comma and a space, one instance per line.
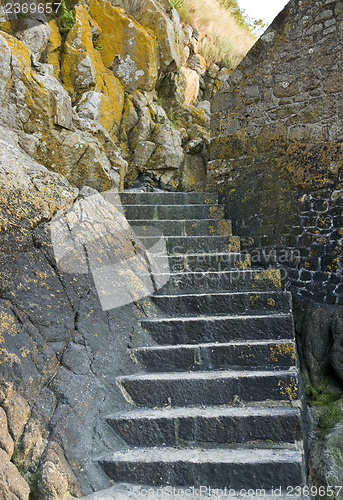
[276, 153]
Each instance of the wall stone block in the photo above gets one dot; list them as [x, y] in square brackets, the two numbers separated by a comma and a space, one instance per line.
[276, 149]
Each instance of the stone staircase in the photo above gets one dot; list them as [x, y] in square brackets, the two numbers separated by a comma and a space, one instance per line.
[217, 399]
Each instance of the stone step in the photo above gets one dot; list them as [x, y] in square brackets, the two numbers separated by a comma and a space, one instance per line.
[228, 328]
[209, 388]
[179, 245]
[215, 425]
[131, 491]
[218, 468]
[212, 281]
[186, 227]
[204, 262]
[223, 303]
[251, 355]
[173, 212]
[192, 198]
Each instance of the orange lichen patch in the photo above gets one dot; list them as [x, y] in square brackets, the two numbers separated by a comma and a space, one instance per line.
[24, 351]
[244, 264]
[54, 48]
[288, 390]
[272, 275]
[192, 86]
[20, 51]
[82, 69]
[123, 37]
[8, 324]
[253, 298]
[313, 166]
[235, 244]
[112, 102]
[6, 27]
[29, 196]
[36, 96]
[81, 63]
[207, 200]
[278, 351]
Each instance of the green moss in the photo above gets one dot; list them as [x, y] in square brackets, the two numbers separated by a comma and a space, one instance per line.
[325, 398]
[17, 462]
[173, 120]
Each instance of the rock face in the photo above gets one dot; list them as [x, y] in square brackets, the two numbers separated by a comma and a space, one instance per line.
[38, 108]
[126, 47]
[320, 332]
[276, 147]
[61, 347]
[86, 104]
[62, 343]
[30, 194]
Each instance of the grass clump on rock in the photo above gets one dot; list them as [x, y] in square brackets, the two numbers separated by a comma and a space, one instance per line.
[228, 35]
[325, 399]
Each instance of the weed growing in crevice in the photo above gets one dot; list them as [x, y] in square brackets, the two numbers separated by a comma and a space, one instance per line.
[66, 20]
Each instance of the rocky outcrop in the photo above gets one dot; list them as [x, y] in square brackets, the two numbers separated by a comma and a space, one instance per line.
[88, 103]
[320, 333]
[30, 194]
[12, 484]
[38, 108]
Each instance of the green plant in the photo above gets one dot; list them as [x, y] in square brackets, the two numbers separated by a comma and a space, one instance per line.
[179, 5]
[325, 398]
[173, 120]
[66, 20]
[99, 47]
[238, 13]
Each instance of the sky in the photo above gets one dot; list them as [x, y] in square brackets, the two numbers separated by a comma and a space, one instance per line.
[267, 9]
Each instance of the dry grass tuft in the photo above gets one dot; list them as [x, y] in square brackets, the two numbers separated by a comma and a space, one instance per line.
[227, 37]
[227, 41]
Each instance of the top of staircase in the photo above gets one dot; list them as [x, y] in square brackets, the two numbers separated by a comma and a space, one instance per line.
[169, 198]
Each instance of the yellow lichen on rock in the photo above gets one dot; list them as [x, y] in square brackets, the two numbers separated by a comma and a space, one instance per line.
[81, 63]
[34, 103]
[282, 351]
[20, 51]
[111, 104]
[83, 70]
[29, 194]
[126, 46]
[154, 17]
[289, 390]
[192, 86]
[54, 48]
